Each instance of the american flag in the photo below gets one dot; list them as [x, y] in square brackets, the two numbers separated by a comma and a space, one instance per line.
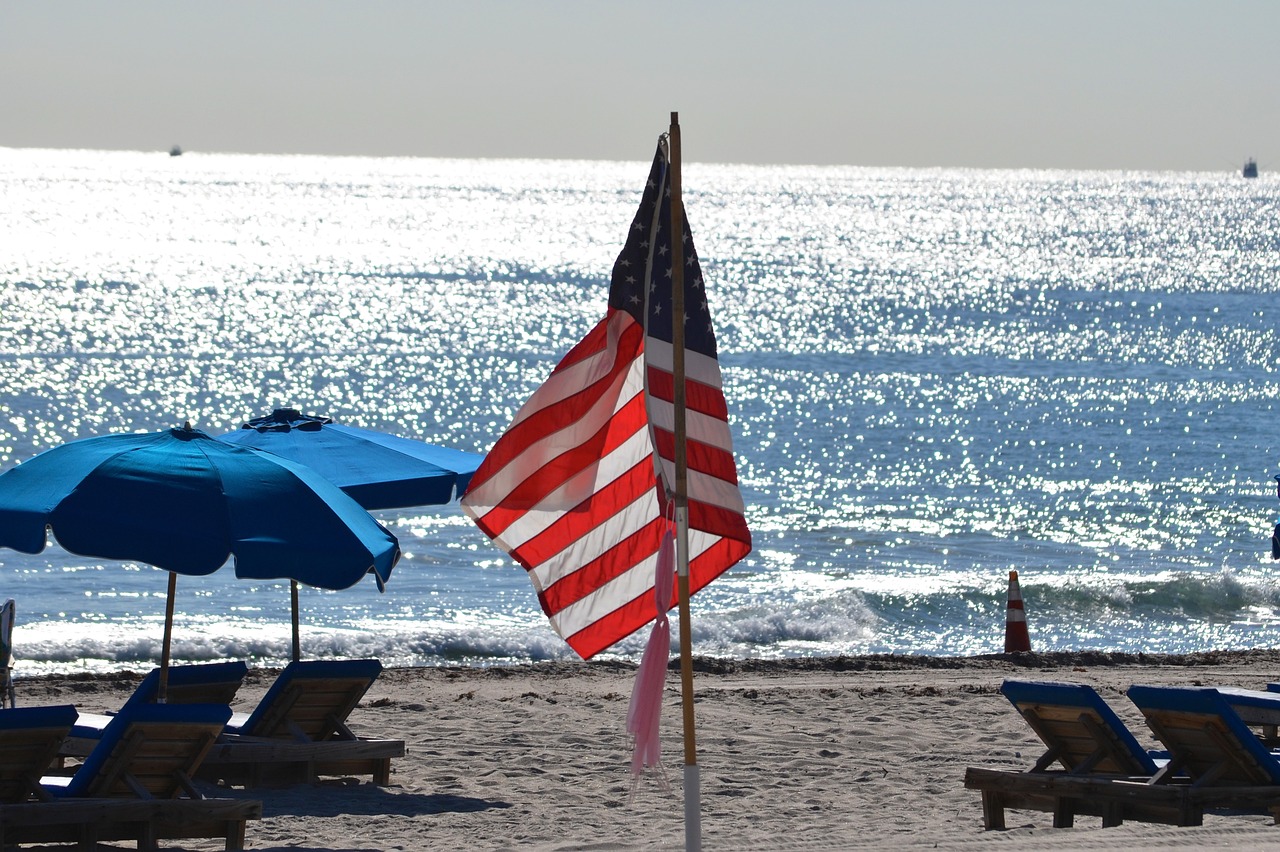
[579, 488]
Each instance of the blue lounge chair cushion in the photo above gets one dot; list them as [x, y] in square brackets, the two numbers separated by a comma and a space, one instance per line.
[296, 671]
[86, 775]
[57, 716]
[1207, 701]
[1085, 698]
[1254, 698]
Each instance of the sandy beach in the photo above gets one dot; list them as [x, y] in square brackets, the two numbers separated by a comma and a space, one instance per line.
[841, 753]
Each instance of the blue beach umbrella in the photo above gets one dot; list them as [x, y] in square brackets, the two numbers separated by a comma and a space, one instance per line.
[184, 502]
[377, 470]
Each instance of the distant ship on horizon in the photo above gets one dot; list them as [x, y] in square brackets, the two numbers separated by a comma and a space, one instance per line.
[175, 151]
[1250, 168]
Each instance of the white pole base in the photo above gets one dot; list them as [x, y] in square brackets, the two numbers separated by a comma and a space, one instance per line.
[692, 809]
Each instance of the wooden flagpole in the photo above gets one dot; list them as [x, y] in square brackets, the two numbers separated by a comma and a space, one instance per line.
[692, 782]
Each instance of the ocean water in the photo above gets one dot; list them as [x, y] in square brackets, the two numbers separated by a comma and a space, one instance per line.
[934, 377]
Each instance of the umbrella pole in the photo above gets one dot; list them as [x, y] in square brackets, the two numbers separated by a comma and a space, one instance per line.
[163, 689]
[293, 598]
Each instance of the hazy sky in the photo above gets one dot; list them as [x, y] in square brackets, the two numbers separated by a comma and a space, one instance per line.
[1146, 84]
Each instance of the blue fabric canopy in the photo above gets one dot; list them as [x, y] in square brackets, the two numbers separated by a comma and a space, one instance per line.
[185, 502]
[378, 470]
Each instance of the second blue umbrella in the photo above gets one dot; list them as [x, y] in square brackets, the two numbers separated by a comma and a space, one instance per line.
[184, 502]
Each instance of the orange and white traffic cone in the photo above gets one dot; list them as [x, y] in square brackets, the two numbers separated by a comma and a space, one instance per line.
[1015, 620]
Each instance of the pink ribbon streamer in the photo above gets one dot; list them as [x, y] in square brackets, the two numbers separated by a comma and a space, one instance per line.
[646, 696]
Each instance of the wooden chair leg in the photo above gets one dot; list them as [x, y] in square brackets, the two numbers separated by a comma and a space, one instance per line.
[1189, 815]
[992, 810]
[1064, 812]
[88, 837]
[235, 836]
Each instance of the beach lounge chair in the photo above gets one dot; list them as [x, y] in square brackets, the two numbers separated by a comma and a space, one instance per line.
[29, 741]
[147, 751]
[1080, 730]
[203, 683]
[1207, 738]
[1213, 755]
[1090, 743]
[299, 730]
[136, 785]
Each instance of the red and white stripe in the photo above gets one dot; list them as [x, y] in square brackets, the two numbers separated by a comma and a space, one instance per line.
[571, 489]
